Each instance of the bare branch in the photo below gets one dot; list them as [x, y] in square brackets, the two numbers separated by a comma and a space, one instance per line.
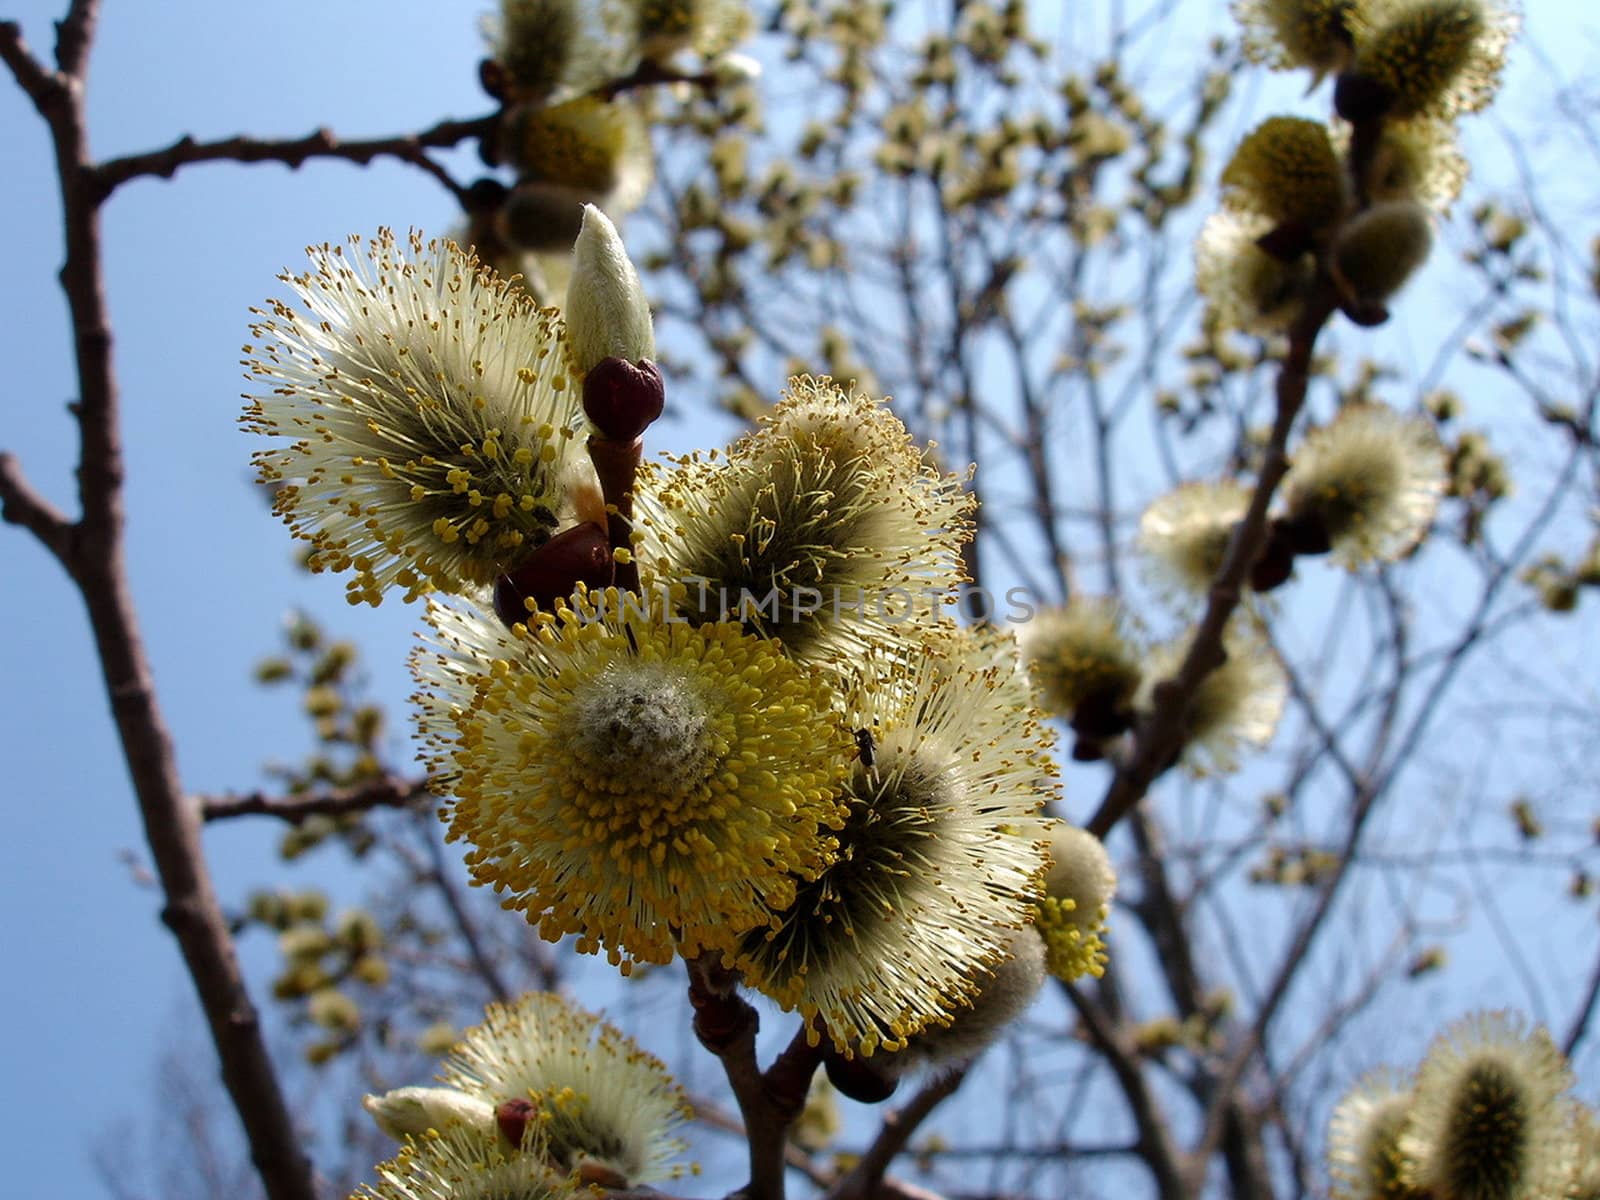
[44, 87]
[388, 792]
[171, 824]
[74, 33]
[1580, 1023]
[1155, 1142]
[465, 925]
[21, 505]
[894, 1134]
[768, 1101]
[709, 1113]
[1161, 734]
[292, 153]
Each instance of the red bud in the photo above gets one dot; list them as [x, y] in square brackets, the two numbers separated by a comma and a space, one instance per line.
[513, 1116]
[622, 398]
[581, 554]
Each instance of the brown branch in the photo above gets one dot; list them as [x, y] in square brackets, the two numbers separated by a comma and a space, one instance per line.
[439, 873]
[292, 153]
[1155, 1139]
[43, 86]
[863, 1181]
[171, 824]
[74, 32]
[390, 791]
[768, 1101]
[711, 1114]
[1160, 735]
[21, 505]
[650, 73]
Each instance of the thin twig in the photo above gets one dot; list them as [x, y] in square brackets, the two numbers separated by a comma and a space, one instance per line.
[388, 792]
[1155, 1139]
[1161, 734]
[43, 86]
[171, 824]
[1580, 1022]
[893, 1136]
[768, 1101]
[292, 153]
[21, 505]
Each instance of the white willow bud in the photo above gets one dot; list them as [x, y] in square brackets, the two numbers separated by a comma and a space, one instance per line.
[731, 70]
[415, 1110]
[607, 314]
[1379, 250]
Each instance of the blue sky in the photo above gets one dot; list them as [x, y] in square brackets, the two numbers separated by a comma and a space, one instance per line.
[94, 980]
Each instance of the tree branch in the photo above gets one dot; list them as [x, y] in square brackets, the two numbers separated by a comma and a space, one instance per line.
[322, 143]
[171, 824]
[1160, 735]
[768, 1101]
[1155, 1141]
[21, 505]
[1585, 1013]
[390, 791]
[44, 87]
[74, 33]
[862, 1183]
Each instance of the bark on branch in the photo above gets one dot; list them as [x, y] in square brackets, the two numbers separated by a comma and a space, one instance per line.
[1160, 735]
[388, 792]
[292, 153]
[865, 1180]
[770, 1100]
[21, 505]
[97, 565]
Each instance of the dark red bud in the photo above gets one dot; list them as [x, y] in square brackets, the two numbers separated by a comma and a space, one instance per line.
[1088, 749]
[1358, 98]
[581, 554]
[623, 398]
[492, 78]
[858, 1078]
[1305, 533]
[513, 1116]
[1287, 242]
[1366, 313]
[484, 196]
[1103, 713]
[1276, 564]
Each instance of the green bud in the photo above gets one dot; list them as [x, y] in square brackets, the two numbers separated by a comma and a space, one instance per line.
[273, 670]
[358, 931]
[304, 942]
[607, 314]
[309, 906]
[333, 1010]
[267, 908]
[437, 1038]
[371, 970]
